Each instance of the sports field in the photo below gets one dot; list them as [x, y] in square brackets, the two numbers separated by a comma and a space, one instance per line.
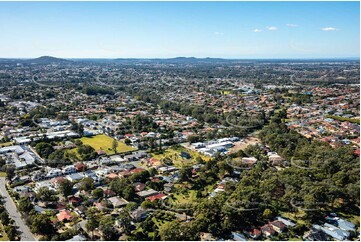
[104, 142]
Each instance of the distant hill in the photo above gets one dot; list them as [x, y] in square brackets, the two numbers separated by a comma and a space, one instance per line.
[48, 60]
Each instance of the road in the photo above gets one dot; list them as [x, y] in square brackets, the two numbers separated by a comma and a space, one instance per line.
[15, 214]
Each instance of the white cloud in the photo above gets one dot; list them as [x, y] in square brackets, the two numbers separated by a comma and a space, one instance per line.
[257, 30]
[218, 33]
[292, 25]
[271, 28]
[329, 29]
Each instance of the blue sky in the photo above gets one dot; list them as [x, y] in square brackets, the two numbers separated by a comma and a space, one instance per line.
[170, 29]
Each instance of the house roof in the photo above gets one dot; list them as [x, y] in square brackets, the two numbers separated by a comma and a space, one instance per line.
[112, 175]
[267, 229]
[139, 186]
[147, 193]
[64, 215]
[109, 192]
[117, 202]
[156, 197]
[137, 170]
[278, 224]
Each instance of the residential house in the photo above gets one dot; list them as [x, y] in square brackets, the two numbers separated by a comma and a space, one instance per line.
[268, 230]
[156, 197]
[117, 202]
[278, 226]
[147, 193]
[139, 214]
[64, 216]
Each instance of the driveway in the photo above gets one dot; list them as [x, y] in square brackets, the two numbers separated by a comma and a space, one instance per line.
[15, 214]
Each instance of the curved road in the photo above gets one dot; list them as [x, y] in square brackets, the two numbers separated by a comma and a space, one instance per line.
[9, 204]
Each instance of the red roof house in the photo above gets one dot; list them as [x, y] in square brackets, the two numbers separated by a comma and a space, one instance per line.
[156, 197]
[64, 216]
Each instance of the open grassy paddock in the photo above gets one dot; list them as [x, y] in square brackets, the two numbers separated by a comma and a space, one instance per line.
[104, 142]
[173, 153]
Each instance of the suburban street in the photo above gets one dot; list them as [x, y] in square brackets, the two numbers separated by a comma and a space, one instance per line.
[14, 213]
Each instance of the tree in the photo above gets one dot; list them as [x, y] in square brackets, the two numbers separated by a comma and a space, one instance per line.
[87, 152]
[106, 226]
[41, 224]
[193, 139]
[152, 171]
[79, 128]
[2, 162]
[46, 195]
[25, 205]
[11, 232]
[115, 145]
[267, 214]
[185, 174]
[87, 184]
[4, 217]
[92, 220]
[98, 193]
[179, 231]
[10, 172]
[125, 221]
[44, 149]
[127, 141]
[118, 185]
[129, 193]
[66, 188]
[131, 206]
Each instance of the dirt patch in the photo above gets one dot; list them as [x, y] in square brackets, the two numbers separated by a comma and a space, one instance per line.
[241, 145]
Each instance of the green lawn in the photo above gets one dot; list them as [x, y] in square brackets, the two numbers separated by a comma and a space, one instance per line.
[2, 174]
[104, 142]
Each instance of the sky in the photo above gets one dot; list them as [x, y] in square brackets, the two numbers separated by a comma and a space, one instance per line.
[171, 29]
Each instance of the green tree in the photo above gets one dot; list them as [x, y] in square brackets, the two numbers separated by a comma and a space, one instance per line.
[129, 193]
[185, 174]
[46, 195]
[87, 184]
[25, 205]
[127, 141]
[115, 145]
[4, 217]
[106, 226]
[66, 188]
[92, 221]
[44, 149]
[267, 214]
[11, 232]
[10, 172]
[41, 224]
[98, 193]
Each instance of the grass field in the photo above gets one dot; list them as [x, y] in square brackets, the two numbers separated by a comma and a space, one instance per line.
[225, 92]
[104, 142]
[2, 174]
[184, 198]
[173, 153]
[5, 144]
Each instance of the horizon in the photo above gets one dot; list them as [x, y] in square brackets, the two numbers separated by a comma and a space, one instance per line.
[229, 30]
[185, 57]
